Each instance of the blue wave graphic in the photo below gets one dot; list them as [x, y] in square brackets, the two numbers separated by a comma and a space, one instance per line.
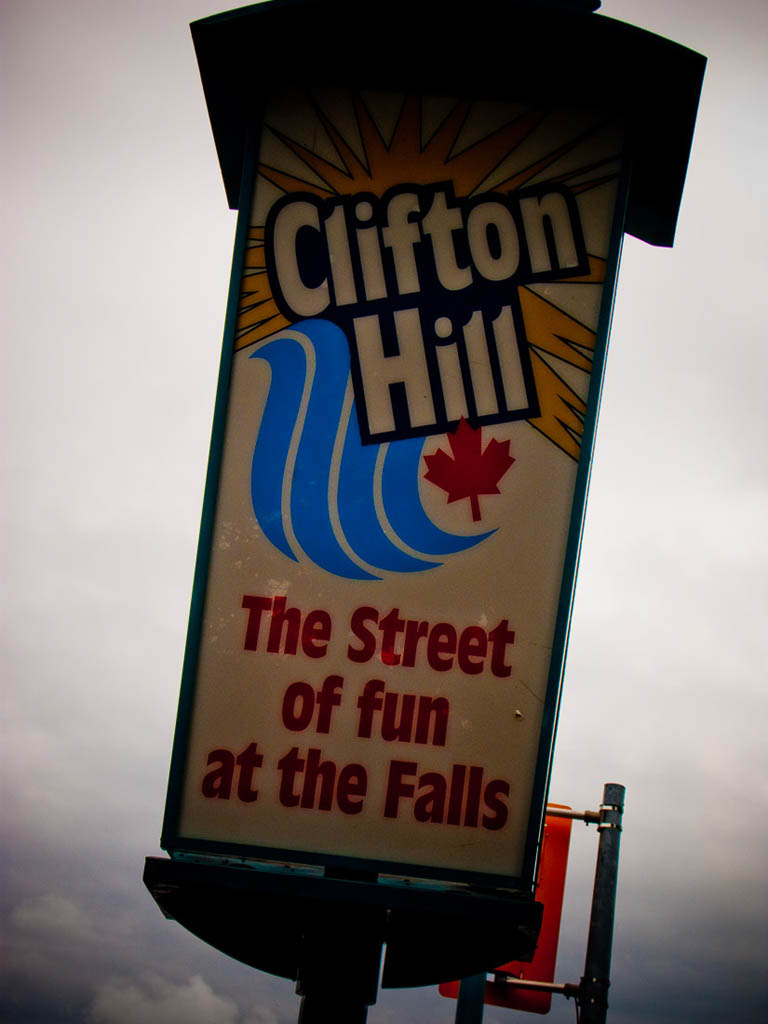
[288, 364]
[357, 512]
[314, 494]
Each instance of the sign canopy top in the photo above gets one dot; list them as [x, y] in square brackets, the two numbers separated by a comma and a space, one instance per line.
[536, 51]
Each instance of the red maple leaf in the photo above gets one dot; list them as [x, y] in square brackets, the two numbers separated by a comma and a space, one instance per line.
[471, 471]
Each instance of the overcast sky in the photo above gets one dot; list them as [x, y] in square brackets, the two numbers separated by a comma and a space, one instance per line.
[117, 242]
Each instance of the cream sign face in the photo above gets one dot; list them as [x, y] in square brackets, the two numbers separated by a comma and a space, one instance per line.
[373, 668]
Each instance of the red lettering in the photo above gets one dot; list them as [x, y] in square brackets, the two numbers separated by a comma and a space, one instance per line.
[368, 642]
[499, 810]
[369, 701]
[473, 644]
[391, 625]
[218, 783]
[455, 799]
[500, 637]
[397, 787]
[316, 769]
[391, 728]
[441, 647]
[352, 788]
[300, 700]
[398, 711]
[328, 698]
[430, 806]
[445, 647]
[256, 606]
[290, 765]
[474, 794]
[456, 795]
[298, 706]
[309, 782]
[316, 633]
[248, 761]
[432, 709]
[290, 618]
[414, 631]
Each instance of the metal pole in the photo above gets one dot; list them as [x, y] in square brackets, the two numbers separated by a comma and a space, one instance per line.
[339, 965]
[593, 995]
[471, 1001]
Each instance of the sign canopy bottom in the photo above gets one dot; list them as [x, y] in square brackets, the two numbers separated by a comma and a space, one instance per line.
[268, 919]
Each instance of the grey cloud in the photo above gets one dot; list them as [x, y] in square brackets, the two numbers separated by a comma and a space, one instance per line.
[153, 998]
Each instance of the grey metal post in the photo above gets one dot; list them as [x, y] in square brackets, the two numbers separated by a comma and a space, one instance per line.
[471, 1001]
[593, 995]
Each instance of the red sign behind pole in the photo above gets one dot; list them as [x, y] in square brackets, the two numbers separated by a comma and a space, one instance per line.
[549, 891]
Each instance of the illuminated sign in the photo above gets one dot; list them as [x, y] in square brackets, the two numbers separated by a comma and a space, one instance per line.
[423, 304]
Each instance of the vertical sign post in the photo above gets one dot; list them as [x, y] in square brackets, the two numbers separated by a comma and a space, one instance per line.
[419, 311]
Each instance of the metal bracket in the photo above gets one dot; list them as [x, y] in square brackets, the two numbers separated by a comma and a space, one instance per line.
[588, 817]
[614, 821]
[566, 989]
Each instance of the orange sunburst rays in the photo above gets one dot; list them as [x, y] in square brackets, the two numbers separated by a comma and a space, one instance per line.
[377, 165]
[405, 158]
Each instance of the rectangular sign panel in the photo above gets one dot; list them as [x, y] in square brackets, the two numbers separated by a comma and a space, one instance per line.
[397, 487]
